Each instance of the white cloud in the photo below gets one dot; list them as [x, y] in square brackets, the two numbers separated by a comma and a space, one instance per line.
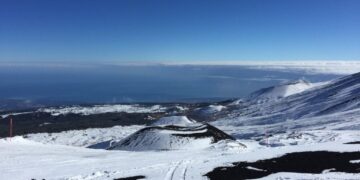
[311, 67]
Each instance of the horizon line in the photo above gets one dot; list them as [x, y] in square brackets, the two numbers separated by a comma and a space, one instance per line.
[219, 62]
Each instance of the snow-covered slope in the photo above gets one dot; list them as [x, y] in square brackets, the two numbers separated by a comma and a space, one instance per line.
[171, 138]
[337, 96]
[211, 109]
[86, 137]
[174, 120]
[281, 91]
[322, 118]
[24, 159]
[98, 109]
[335, 102]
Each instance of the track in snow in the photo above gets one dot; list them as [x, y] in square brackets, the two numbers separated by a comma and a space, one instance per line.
[178, 171]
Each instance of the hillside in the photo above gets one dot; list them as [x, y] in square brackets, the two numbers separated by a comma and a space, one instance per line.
[172, 137]
[334, 105]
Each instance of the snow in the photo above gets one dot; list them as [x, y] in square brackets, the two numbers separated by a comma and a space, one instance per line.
[173, 120]
[282, 90]
[323, 176]
[36, 160]
[193, 136]
[355, 161]
[103, 109]
[181, 108]
[242, 128]
[99, 109]
[334, 105]
[256, 169]
[84, 138]
[211, 109]
[228, 145]
[321, 118]
[13, 114]
[163, 141]
[310, 137]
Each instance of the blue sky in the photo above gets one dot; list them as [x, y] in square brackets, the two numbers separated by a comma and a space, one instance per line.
[185, 31]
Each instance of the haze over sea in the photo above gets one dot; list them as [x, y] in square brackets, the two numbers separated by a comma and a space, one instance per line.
[143, 83]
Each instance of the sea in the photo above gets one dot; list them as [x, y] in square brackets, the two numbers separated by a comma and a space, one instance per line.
[141, 83]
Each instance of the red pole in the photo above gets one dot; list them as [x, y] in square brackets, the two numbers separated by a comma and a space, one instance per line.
[11, 127]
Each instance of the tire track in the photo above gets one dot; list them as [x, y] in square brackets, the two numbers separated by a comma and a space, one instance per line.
[178, 171]
[171, 172]
[183, 173]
